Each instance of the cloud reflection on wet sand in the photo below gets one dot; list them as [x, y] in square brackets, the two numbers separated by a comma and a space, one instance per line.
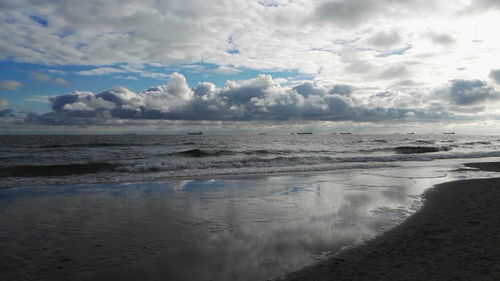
[228, 229]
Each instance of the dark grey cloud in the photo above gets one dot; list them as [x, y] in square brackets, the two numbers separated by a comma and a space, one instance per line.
[7, 113]
[471, 92]
[495, 75]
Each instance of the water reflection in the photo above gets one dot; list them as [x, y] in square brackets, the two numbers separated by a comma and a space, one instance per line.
[249, 228]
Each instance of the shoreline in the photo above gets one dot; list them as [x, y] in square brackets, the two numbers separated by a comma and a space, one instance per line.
[235, 176]
[454, 236]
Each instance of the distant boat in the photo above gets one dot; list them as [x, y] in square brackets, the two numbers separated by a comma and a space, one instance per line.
[346, 133]
[410, 133]
[448, 133]
[304, 133]
[262, 134]
[194, 133]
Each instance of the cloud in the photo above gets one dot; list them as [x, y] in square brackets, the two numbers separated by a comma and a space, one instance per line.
[61, 81]
[57, 71]
[441, 38]
[45, 78]
[41, 77]
[394, 71]
[226, 70]
[60, 32]
[129, 77]
[40, 98]
[10, 85]
[4, 103]
[260, 98]
[7, 113]
[495, 75]
[471, 92]
[485, 4]
[303, 37]
[100, 71]
[346, 13]
[385, 39]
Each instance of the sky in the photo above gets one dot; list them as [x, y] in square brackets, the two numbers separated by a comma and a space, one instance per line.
[168, 66]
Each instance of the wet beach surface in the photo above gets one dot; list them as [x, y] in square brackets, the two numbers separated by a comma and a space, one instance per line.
[245, 228]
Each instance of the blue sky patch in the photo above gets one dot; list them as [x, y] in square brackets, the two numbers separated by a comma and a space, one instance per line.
[41, 21]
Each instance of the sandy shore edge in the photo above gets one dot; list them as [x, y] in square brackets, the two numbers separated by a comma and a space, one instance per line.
[455, 236]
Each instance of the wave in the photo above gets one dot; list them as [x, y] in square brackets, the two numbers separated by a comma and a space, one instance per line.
[55, 170]
[195, 167]
[286, 162]
[214, 153]
[87, 145]
[478, 142]
[425, 142]
[267, 151]
[202, 153]
[420, 149]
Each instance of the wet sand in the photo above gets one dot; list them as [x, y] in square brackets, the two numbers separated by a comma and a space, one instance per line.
[455, 236]
[246, 228]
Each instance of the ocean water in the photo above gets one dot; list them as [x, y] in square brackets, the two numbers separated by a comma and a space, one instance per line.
[55, 160]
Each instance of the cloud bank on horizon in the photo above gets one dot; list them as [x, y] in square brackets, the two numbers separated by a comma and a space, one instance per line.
[357, 60]
[263, 98]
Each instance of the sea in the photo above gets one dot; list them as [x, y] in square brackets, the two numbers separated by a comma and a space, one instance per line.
[85, 159]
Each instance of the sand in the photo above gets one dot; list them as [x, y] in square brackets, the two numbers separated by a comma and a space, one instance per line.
[455, 236]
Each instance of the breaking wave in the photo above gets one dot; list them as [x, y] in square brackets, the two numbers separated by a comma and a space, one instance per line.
[420, 149]
[284, 162]
[55, 170]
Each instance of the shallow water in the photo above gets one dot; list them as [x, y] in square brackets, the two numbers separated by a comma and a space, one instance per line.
[242, 228]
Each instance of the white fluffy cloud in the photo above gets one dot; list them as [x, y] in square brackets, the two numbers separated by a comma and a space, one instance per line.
[263, 98]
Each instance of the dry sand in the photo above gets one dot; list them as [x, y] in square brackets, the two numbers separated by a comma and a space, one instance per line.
[455, 236]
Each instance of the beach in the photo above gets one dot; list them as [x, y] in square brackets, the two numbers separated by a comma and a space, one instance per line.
[453, 237]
